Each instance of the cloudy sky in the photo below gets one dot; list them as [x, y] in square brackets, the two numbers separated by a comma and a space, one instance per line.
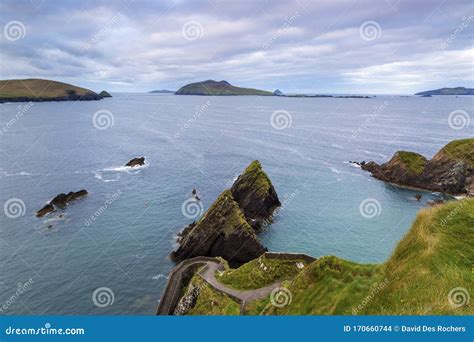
[323, 46]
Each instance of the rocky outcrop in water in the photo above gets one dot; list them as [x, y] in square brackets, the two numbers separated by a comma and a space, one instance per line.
[104, 94]
[60, 201]
[222, 231]
[227, 228]
[450, 171]
[255, 194]
[136, 162]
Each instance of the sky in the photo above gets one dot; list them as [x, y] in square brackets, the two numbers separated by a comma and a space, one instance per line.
[323, 46]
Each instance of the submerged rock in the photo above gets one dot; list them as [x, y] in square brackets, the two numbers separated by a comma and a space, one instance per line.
[136, 162]
[255, 194]
[451, 170]
[60, 200]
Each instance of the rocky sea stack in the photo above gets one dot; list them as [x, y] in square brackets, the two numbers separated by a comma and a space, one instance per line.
[227, 228]
[450, 171]
[104, 94]
[136, 162]
[255, 194]
[60, 201]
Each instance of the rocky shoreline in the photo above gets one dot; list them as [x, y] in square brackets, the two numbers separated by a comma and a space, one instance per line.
[450, 171]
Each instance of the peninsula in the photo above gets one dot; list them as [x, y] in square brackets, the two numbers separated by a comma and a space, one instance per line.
[450, 171]
[448, 91]
[40, 90]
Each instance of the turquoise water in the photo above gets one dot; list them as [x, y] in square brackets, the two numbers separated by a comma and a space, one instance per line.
[203, 143]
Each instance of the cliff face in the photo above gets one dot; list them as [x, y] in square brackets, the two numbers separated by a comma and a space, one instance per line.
[255, 194]
[222, 231]
[451, 170]
[228, 227]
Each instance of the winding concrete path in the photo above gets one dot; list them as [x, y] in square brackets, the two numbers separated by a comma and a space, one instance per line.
[209, 275]
[171, 294]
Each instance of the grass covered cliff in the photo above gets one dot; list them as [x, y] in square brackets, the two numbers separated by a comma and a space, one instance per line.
[450, 171]
[43, 90]
[429, 272]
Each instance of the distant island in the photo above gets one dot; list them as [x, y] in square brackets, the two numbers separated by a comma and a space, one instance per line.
[448, 91]
[39, 90]
[162, 91]
[215, 88]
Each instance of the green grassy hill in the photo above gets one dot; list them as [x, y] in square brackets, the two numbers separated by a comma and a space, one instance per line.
[43, 90]
[460, 150]
[448, 91]
[214, 88]
[430, 272]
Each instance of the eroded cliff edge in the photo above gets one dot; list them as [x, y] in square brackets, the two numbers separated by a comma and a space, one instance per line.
[450, 171]
[227, 229]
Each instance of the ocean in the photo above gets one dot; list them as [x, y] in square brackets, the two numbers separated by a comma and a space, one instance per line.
[118, 238]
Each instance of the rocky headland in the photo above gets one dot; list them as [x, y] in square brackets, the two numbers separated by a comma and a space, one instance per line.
[450, 171]
[39, 90]
[227, 228]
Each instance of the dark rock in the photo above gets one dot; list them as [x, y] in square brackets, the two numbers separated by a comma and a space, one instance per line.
[255, 193]
[450, 171]
[104, 94]
[222, 231]
[228, 227]
[60, 200]
[48, 208]
[136, 162]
